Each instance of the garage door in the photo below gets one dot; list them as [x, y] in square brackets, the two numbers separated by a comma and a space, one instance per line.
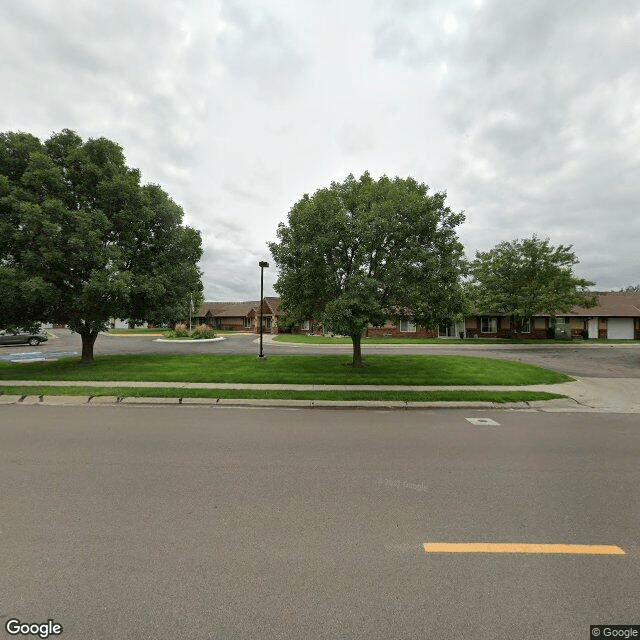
[620, 328]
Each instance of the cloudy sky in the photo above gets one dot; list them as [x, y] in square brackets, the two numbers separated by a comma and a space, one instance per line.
[526, 113]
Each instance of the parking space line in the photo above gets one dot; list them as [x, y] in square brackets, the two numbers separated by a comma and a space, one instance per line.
[518, 547]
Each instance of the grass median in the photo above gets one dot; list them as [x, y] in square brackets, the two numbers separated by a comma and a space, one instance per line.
[399, 396]
[282, 369]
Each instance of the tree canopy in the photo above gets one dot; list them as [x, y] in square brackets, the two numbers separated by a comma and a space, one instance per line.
[81, 240]
[365, 251]
[523, 278]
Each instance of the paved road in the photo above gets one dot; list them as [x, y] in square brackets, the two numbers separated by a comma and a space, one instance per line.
[185, 522]
[601, 361]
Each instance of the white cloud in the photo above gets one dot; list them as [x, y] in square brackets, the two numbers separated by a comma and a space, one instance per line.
[450, 24]
[526, 113]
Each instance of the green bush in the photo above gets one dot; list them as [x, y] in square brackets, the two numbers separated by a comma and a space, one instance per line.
[203, 332]
[200, 332]
[181, 331]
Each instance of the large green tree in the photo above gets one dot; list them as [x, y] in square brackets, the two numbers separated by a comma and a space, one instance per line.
[365, 251]
[81, 240]
[523, 278]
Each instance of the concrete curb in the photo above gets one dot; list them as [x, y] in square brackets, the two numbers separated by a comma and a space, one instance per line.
[190, 341]
[613, 395]
[566, 405]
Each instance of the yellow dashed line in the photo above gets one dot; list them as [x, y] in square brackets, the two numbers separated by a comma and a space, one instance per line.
[517, 547]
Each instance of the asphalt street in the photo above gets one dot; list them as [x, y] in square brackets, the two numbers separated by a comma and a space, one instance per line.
[191, 522]
[216, 522]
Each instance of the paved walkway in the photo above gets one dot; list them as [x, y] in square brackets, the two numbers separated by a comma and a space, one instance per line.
[466, 344]
[610, 395]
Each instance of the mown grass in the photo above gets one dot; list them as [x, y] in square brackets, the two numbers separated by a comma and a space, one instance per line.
[401, 396]
[159, 332]
[282, 369]
[305, 339]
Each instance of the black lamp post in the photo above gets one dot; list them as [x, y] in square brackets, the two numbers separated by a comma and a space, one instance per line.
[262, 265]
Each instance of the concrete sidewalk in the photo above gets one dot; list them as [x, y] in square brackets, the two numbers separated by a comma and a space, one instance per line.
[612, 395]
[470, 343]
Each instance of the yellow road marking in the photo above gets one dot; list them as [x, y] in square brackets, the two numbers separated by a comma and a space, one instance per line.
[517, 547]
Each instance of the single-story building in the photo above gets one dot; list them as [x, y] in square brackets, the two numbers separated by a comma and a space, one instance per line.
[230, 316]
[120, 323]
[617, 316]
[271, 311]
[241, 316]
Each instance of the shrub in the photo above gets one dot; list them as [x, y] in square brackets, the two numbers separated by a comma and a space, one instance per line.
[203, 332]
[181, 331]
[200, 332]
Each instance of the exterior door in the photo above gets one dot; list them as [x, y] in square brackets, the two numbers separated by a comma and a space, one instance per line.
[451, 331]
[593, 328]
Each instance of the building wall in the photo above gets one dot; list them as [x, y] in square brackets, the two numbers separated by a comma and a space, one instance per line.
[315, 329]
[393, 331]
[255, 324]
[119, 323]
[233, 324]
[539, 329]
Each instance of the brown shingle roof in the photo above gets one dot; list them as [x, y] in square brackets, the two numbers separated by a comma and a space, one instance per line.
[273, 303]
[240, 309]
[612, 305]
[227, 309]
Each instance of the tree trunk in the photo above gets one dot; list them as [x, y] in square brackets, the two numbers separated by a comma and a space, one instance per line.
[88, 340]
[357, 352]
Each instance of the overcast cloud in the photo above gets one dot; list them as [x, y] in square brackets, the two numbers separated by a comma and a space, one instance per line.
[526, 113]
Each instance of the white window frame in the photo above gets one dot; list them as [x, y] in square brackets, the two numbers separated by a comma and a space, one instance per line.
[305, 326]
[409, 327]
[491, 324]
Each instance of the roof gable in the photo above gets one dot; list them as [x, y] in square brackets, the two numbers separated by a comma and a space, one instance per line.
[227, 309]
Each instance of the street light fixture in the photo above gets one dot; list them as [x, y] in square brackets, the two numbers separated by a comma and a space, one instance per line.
[262, 265]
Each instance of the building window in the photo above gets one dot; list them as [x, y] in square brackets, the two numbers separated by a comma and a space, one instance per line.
[488, 325]
[451, 330]
[305, 325]
[407, 327]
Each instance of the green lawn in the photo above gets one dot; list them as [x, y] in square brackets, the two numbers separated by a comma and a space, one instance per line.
[304, 339]
[218, 332]
[402, 396]
[158, 332]
[282, 369]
